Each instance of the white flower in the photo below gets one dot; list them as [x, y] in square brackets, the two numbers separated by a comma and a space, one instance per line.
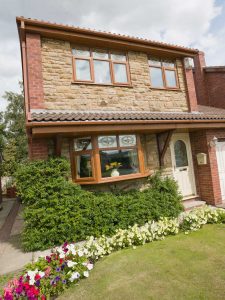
[74, 276]
[86, 274]
[42, 274]
[90, 266]
[80, 253]
[31, 275]
[71, 263]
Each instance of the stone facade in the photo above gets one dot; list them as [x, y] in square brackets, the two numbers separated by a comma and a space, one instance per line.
[61, 93]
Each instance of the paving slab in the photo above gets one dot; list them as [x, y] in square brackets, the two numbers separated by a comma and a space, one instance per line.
[7, 205]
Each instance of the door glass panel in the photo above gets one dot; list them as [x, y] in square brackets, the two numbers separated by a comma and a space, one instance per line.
[180, 152]
[83, 166]
[119, 162]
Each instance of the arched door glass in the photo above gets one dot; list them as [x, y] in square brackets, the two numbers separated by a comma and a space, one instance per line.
[180, 152]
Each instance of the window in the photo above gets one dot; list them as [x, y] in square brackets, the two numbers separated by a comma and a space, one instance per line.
[107, 158]
[100, 66]
[180, 154]
[163, 74]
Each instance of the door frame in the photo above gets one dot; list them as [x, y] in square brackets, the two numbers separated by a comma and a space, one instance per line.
[184, 137]
[222, 185]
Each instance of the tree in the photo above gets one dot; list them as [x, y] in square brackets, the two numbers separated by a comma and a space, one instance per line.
[15, 148]
[2, 142]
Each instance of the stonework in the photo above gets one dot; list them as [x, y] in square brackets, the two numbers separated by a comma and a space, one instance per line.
[61, 93]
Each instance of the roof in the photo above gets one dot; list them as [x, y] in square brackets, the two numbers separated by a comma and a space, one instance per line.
[206, 113]
[28, 22]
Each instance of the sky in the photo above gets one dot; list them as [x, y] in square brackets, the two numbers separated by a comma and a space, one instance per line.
[194, 23]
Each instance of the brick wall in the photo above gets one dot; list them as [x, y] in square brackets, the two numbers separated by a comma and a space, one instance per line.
[215, 83]
[38, 149]
[61, 93]
[191, 90]
[207, 177]
[34, 65]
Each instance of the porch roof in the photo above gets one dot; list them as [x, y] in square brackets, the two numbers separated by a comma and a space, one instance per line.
[204, 113]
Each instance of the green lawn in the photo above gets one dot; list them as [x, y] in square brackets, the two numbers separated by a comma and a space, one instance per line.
[180, 267]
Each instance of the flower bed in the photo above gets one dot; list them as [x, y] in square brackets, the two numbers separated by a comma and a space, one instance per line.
[50, 276]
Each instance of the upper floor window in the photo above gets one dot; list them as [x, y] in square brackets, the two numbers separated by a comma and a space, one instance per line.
[163, 74]
[100, 66]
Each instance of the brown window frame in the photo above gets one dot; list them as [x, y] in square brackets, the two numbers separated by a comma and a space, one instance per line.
[112, 62]
[164, 68]
[96, 163]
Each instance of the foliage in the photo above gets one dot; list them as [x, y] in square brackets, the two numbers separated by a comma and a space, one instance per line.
[15, 147]
[51, 275]
[57, 210]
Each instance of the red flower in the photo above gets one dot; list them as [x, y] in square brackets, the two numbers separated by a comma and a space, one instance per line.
[61, 261]
[37, 276]
[26, 286]
[43, 297]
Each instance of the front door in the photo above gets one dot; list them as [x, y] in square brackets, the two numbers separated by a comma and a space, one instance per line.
[220, 153]
[182, 163]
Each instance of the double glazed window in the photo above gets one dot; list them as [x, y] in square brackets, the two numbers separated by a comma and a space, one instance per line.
[163, 74]
[100, 66]
[100, 158]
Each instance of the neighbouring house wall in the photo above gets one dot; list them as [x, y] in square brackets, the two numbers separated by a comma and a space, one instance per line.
[61, 93]
[215, 84]
[207, 177]
[210, 83]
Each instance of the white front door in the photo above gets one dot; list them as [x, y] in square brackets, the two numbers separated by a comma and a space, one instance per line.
[220, 154]
[182, 163]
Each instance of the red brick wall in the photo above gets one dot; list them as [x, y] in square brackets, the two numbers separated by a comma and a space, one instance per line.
[207, 177]
[191, 90]
[199, 76]
[34, 65]
[38, 149]
[215, 82]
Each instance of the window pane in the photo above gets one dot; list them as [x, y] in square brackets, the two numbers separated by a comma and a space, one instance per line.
[83, 166]
[170, 78]
[81, 52]
[102, 73]
[127, 140]
[180, 154]
[118, 57]
[154, 62]
[156, 77]
[119, 162]
[167, 63]
[100, 54]
[120, 73]
[81, 144]
[82, 69]
[107, 141]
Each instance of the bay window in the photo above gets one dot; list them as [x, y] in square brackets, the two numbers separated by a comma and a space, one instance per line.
[107, 158]
[163, 74]
[100, 66]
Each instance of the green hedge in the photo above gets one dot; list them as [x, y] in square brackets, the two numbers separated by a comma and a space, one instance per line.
[57, 210]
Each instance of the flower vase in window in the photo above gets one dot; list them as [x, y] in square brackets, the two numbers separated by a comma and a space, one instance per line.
[114, 167]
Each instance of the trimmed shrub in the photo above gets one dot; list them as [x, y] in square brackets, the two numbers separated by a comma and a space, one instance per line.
[57, 209]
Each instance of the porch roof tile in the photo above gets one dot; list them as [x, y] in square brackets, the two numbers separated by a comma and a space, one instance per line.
[203, 113]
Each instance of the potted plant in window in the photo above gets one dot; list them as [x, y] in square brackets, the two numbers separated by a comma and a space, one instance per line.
[114, 167]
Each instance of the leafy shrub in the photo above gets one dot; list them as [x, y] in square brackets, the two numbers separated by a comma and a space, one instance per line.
[57, 210]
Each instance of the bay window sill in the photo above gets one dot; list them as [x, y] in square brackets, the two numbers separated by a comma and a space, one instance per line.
[114, 179]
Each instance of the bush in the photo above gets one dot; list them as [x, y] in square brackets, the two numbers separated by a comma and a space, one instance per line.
[57, 210]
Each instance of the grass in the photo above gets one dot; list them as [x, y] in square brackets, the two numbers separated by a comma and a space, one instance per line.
[180, 267]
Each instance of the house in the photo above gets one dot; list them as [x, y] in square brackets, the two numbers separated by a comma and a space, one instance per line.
[120, 107]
